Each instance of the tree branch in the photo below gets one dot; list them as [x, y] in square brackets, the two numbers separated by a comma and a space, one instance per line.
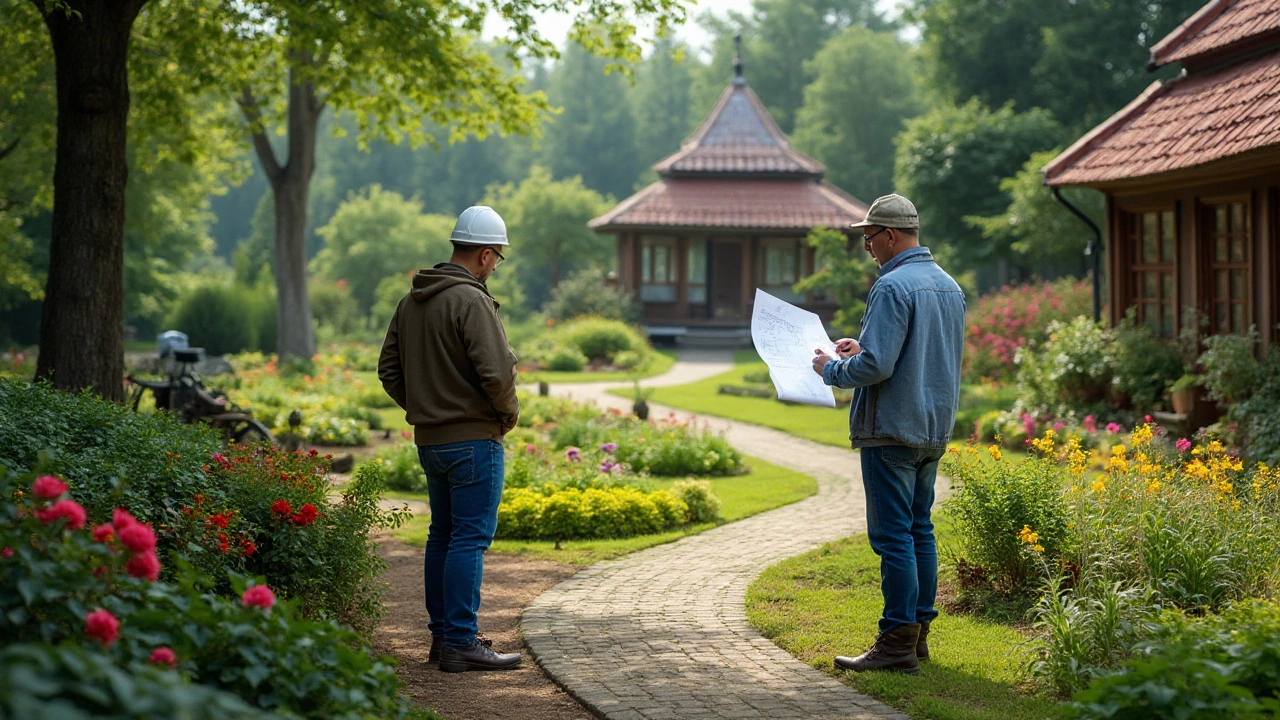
[4, 151]
[261, 145]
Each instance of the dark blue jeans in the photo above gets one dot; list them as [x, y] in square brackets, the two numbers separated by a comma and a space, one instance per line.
[464, 481]
[899, 486]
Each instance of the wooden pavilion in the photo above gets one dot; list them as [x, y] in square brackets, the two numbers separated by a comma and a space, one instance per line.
[729, 213]
[1191, 172]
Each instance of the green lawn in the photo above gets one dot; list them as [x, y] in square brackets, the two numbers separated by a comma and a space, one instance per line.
[826, 603]
[766, 487]
[661, 362]
[825, 425]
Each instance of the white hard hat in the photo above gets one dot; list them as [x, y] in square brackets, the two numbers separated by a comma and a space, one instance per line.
[479, 225]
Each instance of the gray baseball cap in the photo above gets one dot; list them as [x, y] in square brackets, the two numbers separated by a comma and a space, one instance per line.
[891, 211]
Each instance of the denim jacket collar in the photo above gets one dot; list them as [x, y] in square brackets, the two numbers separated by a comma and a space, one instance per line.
[915, 254]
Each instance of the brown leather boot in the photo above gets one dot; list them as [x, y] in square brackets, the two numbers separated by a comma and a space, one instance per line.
[922, 645]
[894, 651]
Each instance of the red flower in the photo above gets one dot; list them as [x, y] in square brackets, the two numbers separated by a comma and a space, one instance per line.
[305, 516]
[282, 508]
[103, 533]
[258, 596]
[144, 565]
[138, 537]
[69, 509]
[6, 553]
[223, 545]
[249, 548]
[121, 519]
[102, 626]
[164, 656]
[48, 487]
[219, 520]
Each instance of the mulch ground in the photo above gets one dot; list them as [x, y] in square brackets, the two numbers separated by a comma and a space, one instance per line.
[510, 584]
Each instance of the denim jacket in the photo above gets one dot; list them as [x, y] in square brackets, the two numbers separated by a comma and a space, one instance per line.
[908, 373]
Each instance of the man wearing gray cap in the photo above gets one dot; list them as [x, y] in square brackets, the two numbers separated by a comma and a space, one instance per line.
[905, 369]
[446, 361]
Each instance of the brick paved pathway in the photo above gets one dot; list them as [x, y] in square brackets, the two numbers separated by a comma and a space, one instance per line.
[663, 634]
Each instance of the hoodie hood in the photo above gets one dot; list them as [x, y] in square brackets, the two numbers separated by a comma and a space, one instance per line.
[429, 282]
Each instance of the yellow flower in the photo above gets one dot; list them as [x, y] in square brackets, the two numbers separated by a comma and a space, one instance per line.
[1077, 460]
[1027, 536]
[1142, 435]
[1038, 548]
[995, 452]
[1045, 444]
[1098, 485]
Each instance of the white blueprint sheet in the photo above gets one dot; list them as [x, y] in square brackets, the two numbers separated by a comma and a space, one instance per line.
[786, 336]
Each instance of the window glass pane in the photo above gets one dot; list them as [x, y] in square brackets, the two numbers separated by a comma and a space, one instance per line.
[1150, 236]
[789, 256]
[1237, 317]
[658, 293]
[1166, 236]
[1237, 249]
[1150, 317]
[698, 262]
[697, 294]
[1220, 282]
[661, 264]
[1166, 320]
[1237, 284]
[1166, 287]
[1149, 285]
[1237, 218]
[1220, 219]
[1219, 249]
[772, 266]
[646, 263]
[1220, 317]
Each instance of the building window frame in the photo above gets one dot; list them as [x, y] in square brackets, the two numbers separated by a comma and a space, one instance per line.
[658, 281]
[781, 266]
[1149, 266]
[696, 253]
[1225, 224]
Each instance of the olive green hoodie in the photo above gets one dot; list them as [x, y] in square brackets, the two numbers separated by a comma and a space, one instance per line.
[446, 360]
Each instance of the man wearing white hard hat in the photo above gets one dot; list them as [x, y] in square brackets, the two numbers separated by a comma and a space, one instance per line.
[447, 362]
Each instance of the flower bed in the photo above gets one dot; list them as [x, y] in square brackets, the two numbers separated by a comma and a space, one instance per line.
[1002, 322]
[219, 510]
[128, 645]
[1107, 538]
[337, 408]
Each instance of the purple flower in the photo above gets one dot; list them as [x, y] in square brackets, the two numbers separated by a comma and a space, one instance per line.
[573, 455]
[1113, 428]
[1057, 427]
[1028, 424]
[607, 466]
[609, 447]
[1183, 444]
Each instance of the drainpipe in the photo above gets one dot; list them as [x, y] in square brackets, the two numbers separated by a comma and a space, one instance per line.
[1094, 249]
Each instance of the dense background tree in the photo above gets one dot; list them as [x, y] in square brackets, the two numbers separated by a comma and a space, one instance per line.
[662, 103]
[547, 223]
[862, 92]
[950, 162]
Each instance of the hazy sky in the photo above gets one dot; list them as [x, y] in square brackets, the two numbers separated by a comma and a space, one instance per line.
[556, 27]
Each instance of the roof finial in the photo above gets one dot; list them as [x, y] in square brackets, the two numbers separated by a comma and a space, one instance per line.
[737, 61]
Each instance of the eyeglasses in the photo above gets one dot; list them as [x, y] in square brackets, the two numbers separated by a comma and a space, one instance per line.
[501, 258]
[866, 239]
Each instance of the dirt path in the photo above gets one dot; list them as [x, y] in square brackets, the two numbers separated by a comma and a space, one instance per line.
[510, 584]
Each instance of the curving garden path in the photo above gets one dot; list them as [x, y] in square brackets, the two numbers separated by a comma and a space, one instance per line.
[663, 634]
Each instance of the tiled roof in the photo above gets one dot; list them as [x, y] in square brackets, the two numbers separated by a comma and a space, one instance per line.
[738, 137]
[1216, 26]
[1179, 124]
[735, 203]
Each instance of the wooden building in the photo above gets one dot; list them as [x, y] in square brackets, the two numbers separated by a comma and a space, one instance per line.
[1191, 172]
[729, 213]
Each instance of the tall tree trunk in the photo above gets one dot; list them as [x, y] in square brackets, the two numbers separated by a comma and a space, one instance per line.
[81, 343]
[290, 186]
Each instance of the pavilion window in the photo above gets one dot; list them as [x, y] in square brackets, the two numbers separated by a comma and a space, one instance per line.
[697, 269]
[1152, 243]
[780, 269]
[658, 269]
[1230, 268]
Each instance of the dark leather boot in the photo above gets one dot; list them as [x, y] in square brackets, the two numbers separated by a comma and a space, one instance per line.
[480, 656]
[922, 645]
[894, 651]
[437, 642]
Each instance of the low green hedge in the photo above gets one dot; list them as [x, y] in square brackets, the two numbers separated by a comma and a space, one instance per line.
[570, 513]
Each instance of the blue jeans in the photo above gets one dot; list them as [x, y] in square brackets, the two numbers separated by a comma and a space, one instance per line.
[464, 481]
[899, 483]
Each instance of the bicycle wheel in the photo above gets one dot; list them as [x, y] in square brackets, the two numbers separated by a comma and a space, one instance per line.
[249, 430]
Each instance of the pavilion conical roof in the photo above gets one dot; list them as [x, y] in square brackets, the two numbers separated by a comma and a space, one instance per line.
[739, 138]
